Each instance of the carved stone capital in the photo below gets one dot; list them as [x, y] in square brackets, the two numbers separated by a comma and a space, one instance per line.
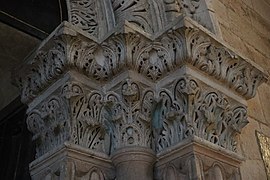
[110, 79]
[154, 58]
[134, 113]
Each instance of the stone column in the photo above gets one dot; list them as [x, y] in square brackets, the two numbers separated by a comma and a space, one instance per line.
[115, 96]
[134, 163]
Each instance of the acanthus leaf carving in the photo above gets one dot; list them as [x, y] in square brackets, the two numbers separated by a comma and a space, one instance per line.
[194, 110]
[49, 124]
[75, 116]
[98, 61]
[222, 64]
[154, 59]
[149, 16]
[44, 68]
[94, 17]
[144, 116]
[190, 6]
[153, 47]
[71, 89]
[130, 116]
[157, 58]
[137, 12]
[169, 131]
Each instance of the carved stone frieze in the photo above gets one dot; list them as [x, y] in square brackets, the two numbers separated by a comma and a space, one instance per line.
[133, 92]
[129, 116]
[223, 64]
[132, 113]
[147, 15]
[154, 59]
[98, 18]
[86, 117]
[94, 17]
[98, 61]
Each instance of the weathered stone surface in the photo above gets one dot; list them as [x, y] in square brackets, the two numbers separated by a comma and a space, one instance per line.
[249, 145]
[250, 36]
[99, 18]
[255, 109]
[70, 162]
[265, 129]
[264, 94]
[127, 115]
[253, 169]
[134, 163]
[197, 159]
[153, 59]
[248, 141]
[134, 79]
[241, 24]
[262, 8]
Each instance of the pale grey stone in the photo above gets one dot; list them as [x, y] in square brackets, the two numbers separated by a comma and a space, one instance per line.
[137, 90]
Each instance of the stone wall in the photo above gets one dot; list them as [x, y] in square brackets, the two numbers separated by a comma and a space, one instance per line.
[245, 25]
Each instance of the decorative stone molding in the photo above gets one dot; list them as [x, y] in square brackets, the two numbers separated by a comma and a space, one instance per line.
[197, 159]
[94, 17]
[49, 124]
[67, 49]
[98, 18]
[193, 109]
[72, 162]
[72, 114]
[134, 114]
[116, 90]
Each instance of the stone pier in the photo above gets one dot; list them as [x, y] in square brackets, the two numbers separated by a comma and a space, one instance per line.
[137, 90]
